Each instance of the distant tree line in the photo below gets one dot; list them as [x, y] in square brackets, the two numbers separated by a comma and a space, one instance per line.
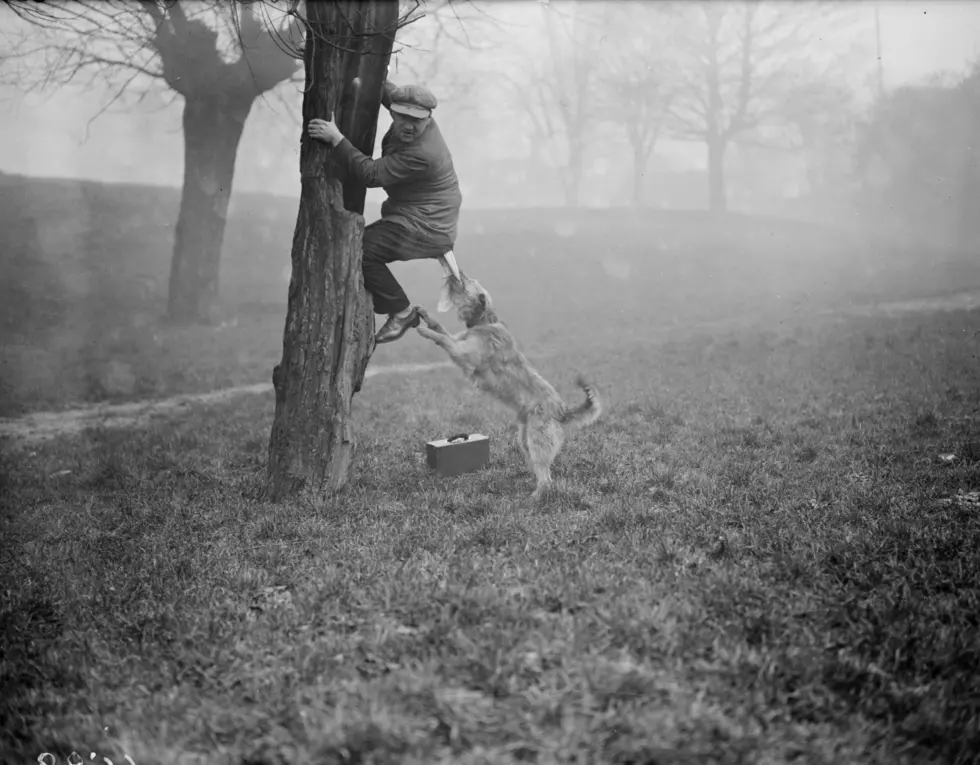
[916, 156]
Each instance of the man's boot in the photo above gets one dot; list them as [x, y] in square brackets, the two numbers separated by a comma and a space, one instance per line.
[396, 326]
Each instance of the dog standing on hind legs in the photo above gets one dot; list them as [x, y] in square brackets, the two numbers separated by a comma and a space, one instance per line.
[488, 355]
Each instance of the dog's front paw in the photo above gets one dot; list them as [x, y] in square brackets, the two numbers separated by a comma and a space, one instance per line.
[431, 323]
[423, 314]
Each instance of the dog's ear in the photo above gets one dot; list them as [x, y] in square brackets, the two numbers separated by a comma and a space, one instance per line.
[445, 298]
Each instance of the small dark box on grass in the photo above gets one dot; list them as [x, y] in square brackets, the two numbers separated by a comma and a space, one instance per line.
[458, 454]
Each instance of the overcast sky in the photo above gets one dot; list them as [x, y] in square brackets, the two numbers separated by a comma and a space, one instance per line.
[45, 135]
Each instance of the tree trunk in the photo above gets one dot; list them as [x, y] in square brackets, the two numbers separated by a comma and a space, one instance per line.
[212, 130]
[573, 173]
[329, 333]
[639, 170]
[716, 176]
[714, 137]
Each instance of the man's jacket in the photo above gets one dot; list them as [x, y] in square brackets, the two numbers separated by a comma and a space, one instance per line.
[419, 178]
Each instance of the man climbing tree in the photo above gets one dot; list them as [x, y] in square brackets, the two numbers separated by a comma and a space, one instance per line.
[419, 217]
[329, 332]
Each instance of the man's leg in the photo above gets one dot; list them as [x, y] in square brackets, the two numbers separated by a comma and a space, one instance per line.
[381, 242]
[385, 242]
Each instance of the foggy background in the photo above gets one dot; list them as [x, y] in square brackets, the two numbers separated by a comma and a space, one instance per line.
[470, 56]
[608, 153]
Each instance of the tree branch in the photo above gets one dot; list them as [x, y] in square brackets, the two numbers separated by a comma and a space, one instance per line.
[109, 103]
[152, 10]
[738, 121]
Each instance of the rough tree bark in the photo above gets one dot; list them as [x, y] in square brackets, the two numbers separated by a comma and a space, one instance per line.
[329, 333]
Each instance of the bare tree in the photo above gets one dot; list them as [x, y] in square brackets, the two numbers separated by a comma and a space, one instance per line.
[739, 60]
[915, 153]
[440, 49]
[219, 58]
[640, 83]
[557, 91]
[823, 115]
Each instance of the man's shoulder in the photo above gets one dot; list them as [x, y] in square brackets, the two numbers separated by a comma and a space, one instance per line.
[432, 143]
[433, 133]
[428, 148]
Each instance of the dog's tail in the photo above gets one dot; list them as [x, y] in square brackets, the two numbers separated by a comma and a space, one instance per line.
[588, 411]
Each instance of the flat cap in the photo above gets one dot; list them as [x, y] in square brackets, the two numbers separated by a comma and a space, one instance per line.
[413, 100]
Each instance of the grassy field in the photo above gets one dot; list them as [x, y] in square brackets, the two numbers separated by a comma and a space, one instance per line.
[757, 556]
[766, 551]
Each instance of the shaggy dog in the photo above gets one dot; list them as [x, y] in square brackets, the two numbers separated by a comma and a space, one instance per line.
[488, 355]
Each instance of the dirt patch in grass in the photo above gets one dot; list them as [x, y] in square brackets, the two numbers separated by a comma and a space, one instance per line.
[41, 426]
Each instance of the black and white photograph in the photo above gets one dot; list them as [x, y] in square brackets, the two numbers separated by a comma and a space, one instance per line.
[478, 382]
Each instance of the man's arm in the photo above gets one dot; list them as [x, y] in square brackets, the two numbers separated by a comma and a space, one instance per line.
[385, 171]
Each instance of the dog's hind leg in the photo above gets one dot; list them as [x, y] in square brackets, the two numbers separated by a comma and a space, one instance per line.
[522, 441]
[544, 441]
